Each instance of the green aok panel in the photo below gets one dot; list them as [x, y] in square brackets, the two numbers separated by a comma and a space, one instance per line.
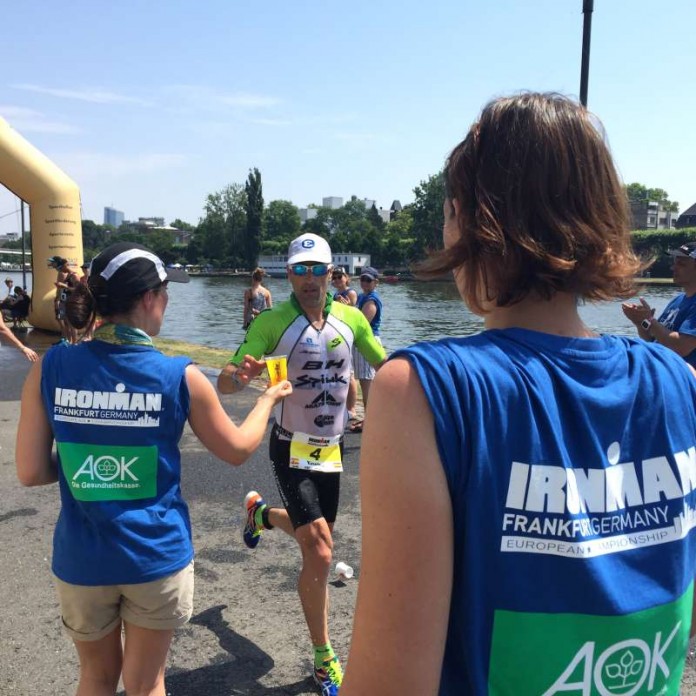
[109, 472]
[586, 655]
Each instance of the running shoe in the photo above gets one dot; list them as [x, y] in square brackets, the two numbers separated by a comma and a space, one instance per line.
[252, 532]
[329, 676]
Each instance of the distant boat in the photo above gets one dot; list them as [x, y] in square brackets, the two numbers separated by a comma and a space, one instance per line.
[396, 277]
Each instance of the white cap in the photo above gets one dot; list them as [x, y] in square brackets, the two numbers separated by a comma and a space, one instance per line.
[309, 247]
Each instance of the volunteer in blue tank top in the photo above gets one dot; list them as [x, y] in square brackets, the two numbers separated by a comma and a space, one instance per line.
[528, 492]
[116, 408]
[370, 304]
[316, 334]
[676, 327]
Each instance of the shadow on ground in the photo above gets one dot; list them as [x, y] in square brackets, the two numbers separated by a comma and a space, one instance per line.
[236, 672]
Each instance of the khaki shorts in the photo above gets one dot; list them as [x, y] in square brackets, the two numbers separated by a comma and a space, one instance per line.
[92, 612]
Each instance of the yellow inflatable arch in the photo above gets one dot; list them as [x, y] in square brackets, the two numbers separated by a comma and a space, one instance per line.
[54, 216]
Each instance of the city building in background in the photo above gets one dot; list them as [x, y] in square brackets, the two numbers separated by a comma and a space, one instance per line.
[307, 214]
[332, 202]
[336, 202]
[113, 217]
[651, 215]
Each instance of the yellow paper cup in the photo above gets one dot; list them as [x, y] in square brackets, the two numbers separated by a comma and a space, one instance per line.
[277, 366]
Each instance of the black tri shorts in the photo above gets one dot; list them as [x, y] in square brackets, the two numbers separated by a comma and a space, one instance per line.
[307, 495]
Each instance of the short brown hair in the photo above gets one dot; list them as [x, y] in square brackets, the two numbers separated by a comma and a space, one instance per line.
[541, 206]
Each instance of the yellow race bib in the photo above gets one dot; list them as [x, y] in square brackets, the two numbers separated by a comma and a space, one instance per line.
[314, 453]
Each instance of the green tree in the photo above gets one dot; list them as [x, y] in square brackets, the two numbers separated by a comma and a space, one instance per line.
[254, 218]
[398, 239]
[94, 237]
[322, 224]
[427, 213]
[638, 193]
[375, 219]
[282, 222]
[181, 225]
[223, 228]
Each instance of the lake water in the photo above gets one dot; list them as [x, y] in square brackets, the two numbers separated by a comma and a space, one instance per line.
[209, 311]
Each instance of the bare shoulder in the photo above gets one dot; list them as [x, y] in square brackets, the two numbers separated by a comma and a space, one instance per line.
[195, 379]
[397, 375]
[397, 391]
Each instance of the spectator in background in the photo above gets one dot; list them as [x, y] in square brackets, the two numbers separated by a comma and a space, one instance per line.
[256, 298]
[84, 278]
[67, 280]
[370, 303]
[8, 300]
[676, 327]
[20, 307]
[346, 295]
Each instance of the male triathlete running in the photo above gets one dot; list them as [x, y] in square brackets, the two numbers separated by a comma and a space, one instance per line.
[316, 334]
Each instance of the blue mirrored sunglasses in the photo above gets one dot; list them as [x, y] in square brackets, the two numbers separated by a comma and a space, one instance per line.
[319, 269]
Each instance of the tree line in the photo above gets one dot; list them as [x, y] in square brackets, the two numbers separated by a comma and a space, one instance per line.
[237, 226]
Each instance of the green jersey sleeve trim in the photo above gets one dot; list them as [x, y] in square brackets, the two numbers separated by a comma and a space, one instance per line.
[363, 338]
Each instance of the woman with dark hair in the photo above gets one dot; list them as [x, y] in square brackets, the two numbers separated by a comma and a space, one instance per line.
[116, 408]
[528, 516]
[67, 280]
[341, 282]
[256, 298]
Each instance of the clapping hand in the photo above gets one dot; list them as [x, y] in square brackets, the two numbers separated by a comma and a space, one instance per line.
[637, 312]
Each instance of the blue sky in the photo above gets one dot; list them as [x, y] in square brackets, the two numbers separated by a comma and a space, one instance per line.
[150, 106]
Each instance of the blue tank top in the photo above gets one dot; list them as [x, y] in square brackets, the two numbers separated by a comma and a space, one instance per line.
[117, 413]
[571, 465]
[374, 297]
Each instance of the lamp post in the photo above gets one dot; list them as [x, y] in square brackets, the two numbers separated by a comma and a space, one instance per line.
[24, 265]
[587, 9]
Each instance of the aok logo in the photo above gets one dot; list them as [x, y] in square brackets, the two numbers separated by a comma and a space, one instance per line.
[622, 669]
[106, 468]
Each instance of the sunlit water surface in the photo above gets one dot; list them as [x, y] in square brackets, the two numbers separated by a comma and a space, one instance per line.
[209, 311]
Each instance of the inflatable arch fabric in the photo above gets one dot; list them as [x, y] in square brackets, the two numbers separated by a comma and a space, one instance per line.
[54, 216]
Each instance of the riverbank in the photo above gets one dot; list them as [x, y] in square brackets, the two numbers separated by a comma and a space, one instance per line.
[202, 355]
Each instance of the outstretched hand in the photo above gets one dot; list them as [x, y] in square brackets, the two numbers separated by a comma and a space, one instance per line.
[279, 391]
[249, 368]
[29, 354]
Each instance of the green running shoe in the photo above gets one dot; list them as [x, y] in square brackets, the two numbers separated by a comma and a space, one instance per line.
[329, 676]
[252, 532]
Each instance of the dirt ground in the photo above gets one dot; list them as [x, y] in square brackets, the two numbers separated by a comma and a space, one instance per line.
[247, 636]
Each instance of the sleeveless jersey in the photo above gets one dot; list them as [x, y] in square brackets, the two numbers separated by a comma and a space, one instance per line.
[318, 362]
[571, 465]
[365, 297]
[117, 413]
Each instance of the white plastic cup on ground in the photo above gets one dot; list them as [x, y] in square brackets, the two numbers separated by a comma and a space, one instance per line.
[344, 571]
